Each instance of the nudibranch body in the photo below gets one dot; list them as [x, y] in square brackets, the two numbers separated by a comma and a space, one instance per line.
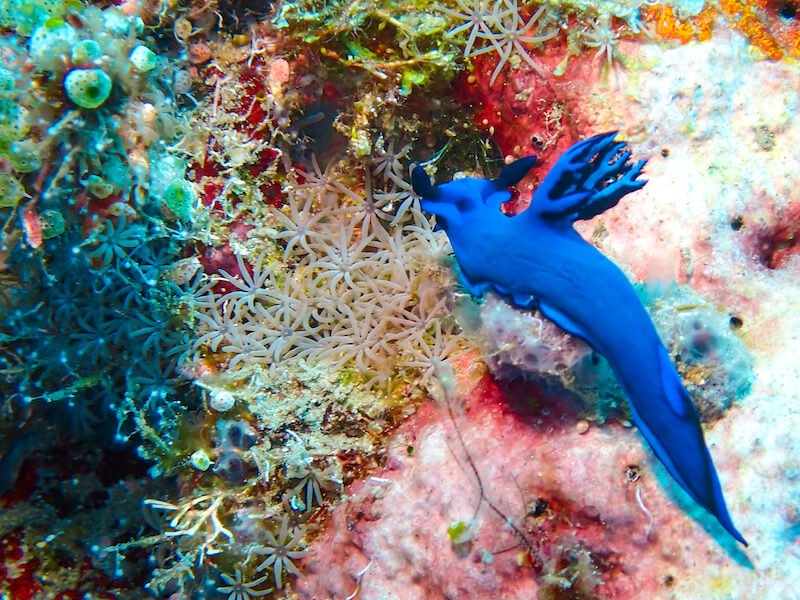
[536, 258]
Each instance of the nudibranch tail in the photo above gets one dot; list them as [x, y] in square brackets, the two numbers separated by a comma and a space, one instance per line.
[664, 413]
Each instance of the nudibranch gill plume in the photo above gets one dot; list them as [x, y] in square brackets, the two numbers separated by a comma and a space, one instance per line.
[536, 258]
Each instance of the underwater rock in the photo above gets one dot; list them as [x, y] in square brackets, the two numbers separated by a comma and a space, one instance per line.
[542, 505]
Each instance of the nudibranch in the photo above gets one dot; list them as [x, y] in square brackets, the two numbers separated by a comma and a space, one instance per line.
[536, 258]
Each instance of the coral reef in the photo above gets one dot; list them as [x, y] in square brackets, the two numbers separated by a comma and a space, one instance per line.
[556, 524]
[235, 359]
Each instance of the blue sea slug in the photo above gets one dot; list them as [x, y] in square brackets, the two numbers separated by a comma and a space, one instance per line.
[536, 258]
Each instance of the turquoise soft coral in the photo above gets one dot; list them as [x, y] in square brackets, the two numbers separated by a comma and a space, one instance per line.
[537, 258]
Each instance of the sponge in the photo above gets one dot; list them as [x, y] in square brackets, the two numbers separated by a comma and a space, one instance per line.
[15, 121]
[88, 88]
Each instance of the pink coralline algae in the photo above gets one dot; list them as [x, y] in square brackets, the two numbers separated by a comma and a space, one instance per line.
[563, 514]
